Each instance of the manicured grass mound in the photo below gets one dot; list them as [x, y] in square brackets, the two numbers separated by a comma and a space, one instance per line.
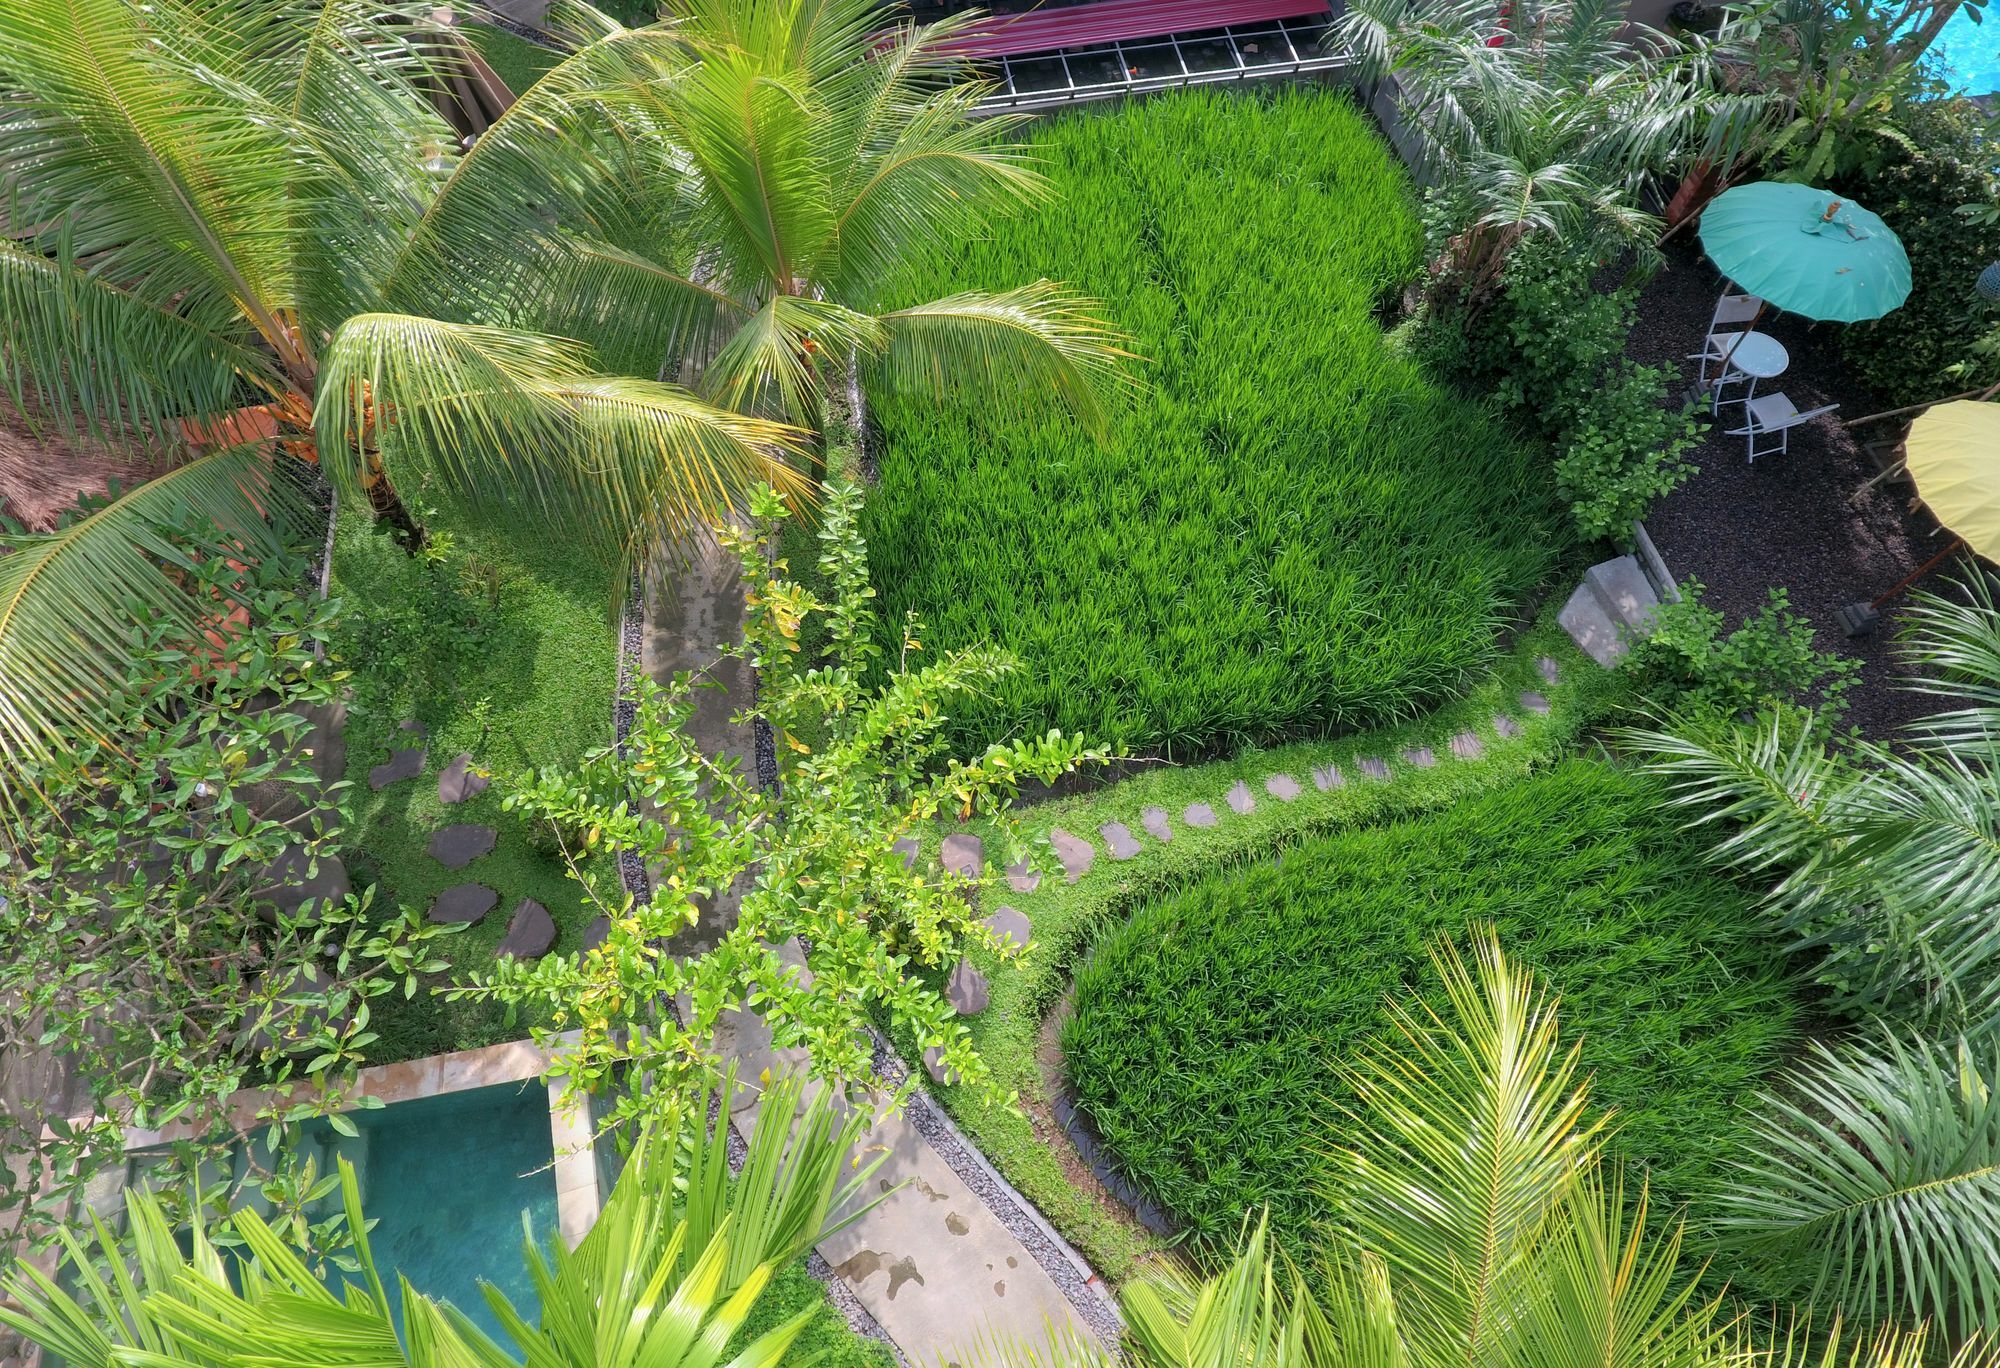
[500, 650]
[1292, 529]
[1210, 1028]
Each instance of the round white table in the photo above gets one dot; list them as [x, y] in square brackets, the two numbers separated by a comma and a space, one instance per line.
[1757, 355]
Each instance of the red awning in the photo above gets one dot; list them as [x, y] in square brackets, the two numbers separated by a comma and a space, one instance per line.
[1108, 21]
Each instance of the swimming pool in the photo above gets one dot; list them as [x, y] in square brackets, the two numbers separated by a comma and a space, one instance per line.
[446, 1179]
[1971, 52]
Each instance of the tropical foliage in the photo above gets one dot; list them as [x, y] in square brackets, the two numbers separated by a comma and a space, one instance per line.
[814, 858]
[249, 221]
[1872, 1182]
[173, 925]
[673, 1268]
[1539, 119]
[1295, 531]
[1881, 858]
[1210, 1030]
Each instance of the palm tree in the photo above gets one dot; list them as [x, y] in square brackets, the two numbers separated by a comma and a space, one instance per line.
[1885, 859]
[670, 1272]
[1873, 1182]
[817, 151]
[1533, 118]
[223, 224]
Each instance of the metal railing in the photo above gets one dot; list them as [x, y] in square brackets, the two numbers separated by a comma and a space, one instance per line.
[1099, 71]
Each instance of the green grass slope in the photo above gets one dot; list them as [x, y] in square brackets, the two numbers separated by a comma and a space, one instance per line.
[1292, 530]
[1210, 1028]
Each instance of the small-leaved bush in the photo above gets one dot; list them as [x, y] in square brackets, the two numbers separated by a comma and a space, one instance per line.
[1690, 663]
[1212, 1028]
[1552, 351]
[1938, 342]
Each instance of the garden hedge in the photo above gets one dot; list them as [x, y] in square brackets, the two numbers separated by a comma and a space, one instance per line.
[1292, 530]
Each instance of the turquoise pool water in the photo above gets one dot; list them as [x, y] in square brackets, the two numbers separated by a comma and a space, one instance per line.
[1971, 52]
[446, 1180]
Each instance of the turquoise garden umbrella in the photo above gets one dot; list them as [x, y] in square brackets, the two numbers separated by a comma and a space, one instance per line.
[1806, 251]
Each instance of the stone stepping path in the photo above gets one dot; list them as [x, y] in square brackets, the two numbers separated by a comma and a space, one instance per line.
[459, 845]
[1009, 924]
[962, 849]
[967, 990]
[1076, 855]
[457, 782]
[463, 904]
[405, 762]
[598, 932]
[530, 934]
[909, 847]
[1118, 838]
[964, 855]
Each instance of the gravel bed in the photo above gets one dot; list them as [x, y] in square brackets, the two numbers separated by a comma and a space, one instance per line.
[625, 711]
[1792, 520]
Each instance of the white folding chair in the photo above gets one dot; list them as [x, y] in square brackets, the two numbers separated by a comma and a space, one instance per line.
[1769, 413]
[1733, 312]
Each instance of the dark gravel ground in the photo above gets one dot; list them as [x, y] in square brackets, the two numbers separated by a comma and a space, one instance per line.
[1791, 520]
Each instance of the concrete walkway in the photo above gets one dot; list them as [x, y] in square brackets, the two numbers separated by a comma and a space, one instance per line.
[939, 1263]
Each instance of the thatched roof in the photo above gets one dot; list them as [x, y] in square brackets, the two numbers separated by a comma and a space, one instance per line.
[41, 476]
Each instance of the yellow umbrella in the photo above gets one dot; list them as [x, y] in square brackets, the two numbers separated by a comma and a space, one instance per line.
[1953, 454]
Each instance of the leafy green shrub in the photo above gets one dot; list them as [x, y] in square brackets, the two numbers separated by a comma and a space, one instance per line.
[1211, 1028]
[1552, 349]
[1769, 660]
[1930, 347]
[1293, 529]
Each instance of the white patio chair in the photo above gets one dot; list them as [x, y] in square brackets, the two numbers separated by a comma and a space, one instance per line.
[1769, 413]
[1733, 312]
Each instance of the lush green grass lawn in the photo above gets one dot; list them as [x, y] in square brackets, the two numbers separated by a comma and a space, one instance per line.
[826, 1341]
[500, 652]
[1210, 1028]
[514, 59]
[1292, 530]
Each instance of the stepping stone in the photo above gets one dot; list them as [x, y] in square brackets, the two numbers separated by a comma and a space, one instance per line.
[459, 845]
[401, 765]
[1505, 727]
[1009, 924]
[1199, 815]
[1467, 746]
[967, 990]
[414, 727]
[1282, 787]
[1550, 670]
[1076, 855]
[1157, 825]
[934, 1066]
[908, 848]
[531, 934]
[1420, 756]
[1328, 777]
[1022, 877]
[1118, 836]
[1239, 798]
[463, 904]
[1534, 702]
[1373, 768]
[290, 888]
[596, 933]
[458, 783]
[964, 855]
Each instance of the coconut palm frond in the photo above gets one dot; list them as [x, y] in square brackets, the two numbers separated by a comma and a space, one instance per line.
[1953, 643]
[638, 314]
[66, 622]
[768, 366]
[504, 419]
[1015, 351]
[1472, 1128]
[1874, 1181]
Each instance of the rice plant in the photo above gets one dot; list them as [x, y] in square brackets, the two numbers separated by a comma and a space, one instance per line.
[1292, 529]
[1213, 1028]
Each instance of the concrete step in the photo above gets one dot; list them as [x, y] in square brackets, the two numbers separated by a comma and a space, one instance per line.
[1591, 626]
[1622, 587]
